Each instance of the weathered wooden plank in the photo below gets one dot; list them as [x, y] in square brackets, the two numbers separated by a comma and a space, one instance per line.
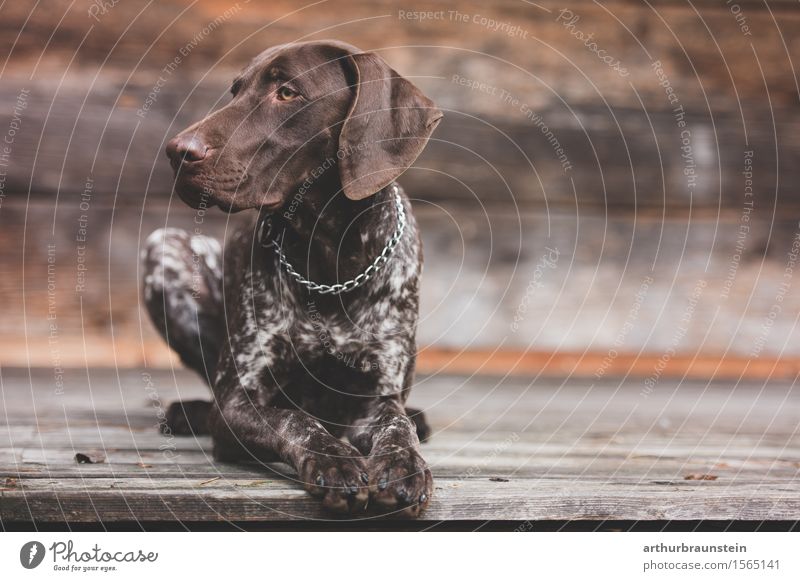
[117, 399]
[619, 131]
[510, 429]
[620, 158]
[479, 499]
[81, 122]
[690, 451]
[489, 280]
[544, 464]
[582, 435]
[517, 430]
[288, 486]
[668, 460]
[698, 41]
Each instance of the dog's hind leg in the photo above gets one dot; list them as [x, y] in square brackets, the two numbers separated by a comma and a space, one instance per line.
[182, 289]
[420, 423]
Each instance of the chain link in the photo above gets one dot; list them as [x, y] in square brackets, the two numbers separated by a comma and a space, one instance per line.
[344, 287]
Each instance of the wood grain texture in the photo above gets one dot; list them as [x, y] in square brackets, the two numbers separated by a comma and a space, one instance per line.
[89, 84]
[701, 43]
[620, 158]
[490, 191]
[502, 449]
[621, 282]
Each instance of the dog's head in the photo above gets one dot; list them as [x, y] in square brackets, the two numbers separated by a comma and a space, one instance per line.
[316, 112]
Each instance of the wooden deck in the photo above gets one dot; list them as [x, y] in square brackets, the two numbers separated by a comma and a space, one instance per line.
[501, 450]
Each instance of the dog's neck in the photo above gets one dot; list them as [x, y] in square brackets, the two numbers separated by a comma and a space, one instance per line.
[329, 238]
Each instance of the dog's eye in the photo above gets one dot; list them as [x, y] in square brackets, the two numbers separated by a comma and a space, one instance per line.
[284, 93]
[235, 87]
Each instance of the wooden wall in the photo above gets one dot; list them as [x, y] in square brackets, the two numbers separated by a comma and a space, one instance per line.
[645, 201]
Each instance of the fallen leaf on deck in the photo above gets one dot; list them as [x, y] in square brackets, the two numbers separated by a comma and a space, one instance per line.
[9, 484]
[82, 458]
[700, 477]
[498, 479]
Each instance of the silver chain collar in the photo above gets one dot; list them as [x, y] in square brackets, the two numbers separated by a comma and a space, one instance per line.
[344, 287]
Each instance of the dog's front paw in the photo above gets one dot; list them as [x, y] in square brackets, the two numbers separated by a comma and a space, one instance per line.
[399, 481]
[339, 476]
[186, 418]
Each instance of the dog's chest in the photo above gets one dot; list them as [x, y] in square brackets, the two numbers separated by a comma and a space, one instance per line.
[281, 334]
[286, 330]
[313, 331]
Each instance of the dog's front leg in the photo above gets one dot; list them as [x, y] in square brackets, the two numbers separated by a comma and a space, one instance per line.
[399, 477]
[328, 467]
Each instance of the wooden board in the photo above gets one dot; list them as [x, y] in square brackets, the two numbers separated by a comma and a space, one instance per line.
[621, 159]
[613, 302]
[490, 191]
[87, 86]
[502, 449]
[701, 43]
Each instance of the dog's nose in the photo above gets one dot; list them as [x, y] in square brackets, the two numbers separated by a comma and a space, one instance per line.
[186, 148]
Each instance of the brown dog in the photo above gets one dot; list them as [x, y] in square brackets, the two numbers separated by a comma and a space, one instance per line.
[305, 330]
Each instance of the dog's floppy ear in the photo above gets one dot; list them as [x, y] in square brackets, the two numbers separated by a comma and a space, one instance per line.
[387, 127]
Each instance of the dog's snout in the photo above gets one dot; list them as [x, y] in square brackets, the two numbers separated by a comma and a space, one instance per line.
[186, 148]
